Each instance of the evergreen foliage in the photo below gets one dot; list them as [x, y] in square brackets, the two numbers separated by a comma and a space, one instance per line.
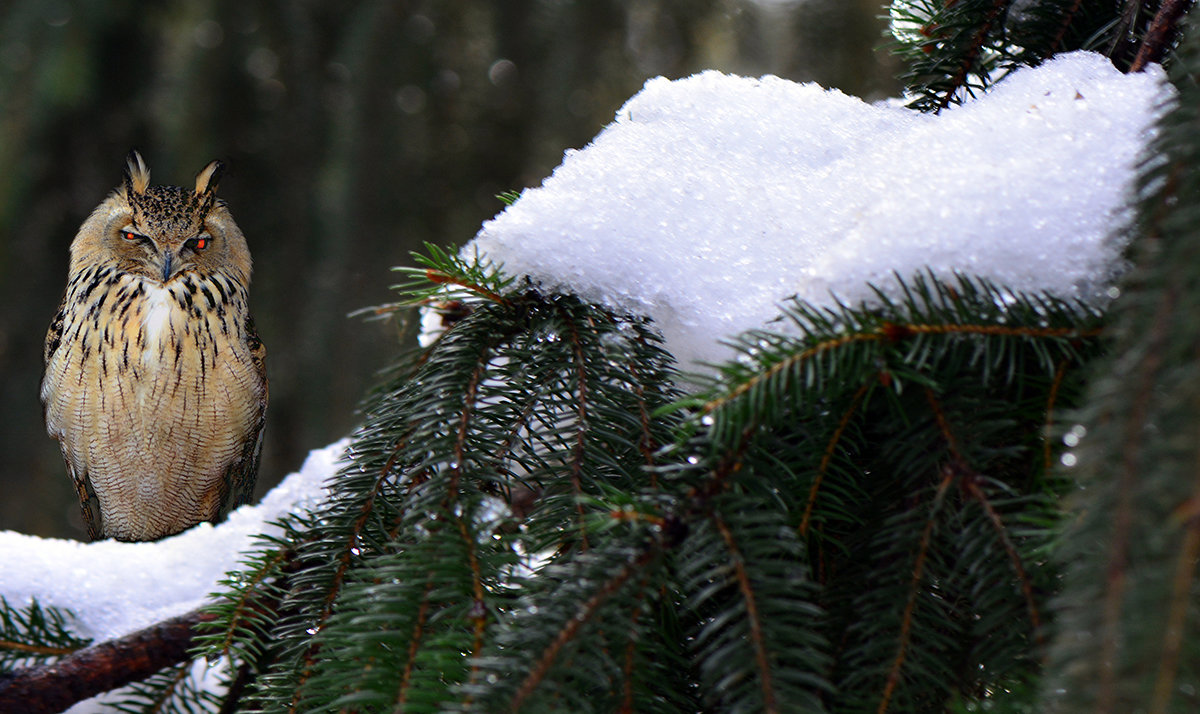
[953, 50]
[33, 635]
[1130, 628]
[863, 512]
[853, 515]
[173, 690]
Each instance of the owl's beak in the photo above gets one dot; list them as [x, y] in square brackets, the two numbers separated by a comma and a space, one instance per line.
[168, 264]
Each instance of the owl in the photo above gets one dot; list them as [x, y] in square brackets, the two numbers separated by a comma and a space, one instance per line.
[155, 384]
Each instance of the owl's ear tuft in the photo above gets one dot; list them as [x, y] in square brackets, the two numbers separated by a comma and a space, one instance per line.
[137, 174]
[206, 180]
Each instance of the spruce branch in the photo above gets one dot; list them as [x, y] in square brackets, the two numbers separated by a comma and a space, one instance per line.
[734, 568]
[1180, 602]
[828, 455]
[569, 631]
[1126, 620]
[1068, 17]
[444, 275]
[414, 645]
[172, 690]
[953, 49]
[753, 618]
[581, 426]
[973, 489]
[915, 590]
[970, 57]
[34, 634]
[1161, 34]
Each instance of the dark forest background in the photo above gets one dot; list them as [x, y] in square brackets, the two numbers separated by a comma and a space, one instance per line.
[353, 132]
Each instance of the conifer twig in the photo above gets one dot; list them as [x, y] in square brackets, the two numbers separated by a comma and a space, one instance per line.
[827, 457]
[1161, 33]
[1068, 16]
[569, 631]
[414, 645]
[40, 650]
[761, 659]
[1177, 613]
[960, 78]
[906, 621]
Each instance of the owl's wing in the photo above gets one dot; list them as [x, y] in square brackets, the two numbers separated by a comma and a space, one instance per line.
[243, 472]
[54, 334]
[89, 505]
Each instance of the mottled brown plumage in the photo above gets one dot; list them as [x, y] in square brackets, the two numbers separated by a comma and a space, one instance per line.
[155, 383]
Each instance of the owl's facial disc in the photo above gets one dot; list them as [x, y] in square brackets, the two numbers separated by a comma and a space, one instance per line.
[155, 262]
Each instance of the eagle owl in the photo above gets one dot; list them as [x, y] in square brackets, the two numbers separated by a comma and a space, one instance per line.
[155, 383]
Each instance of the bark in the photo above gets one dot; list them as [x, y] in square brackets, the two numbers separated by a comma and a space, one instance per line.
[51, 688]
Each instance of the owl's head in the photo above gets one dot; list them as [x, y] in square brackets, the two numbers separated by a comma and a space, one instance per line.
[160, 232]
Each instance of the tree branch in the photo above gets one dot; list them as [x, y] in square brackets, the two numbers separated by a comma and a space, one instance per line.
[1161, 34]
[50, 688]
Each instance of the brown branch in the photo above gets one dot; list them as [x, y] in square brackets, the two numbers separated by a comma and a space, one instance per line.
[1068, 16]
[1122, 519]
[464, 425]
[755, 621]
[893, 678]
[893, 332]
[43, 650]
[51, 688]
[478, 608]
[414, 643]
[778, 367]
[972, 488]
[568, 632]
[581, 427]
[960, 77]
[1002, 330]
[1177, 613]
[646, 443]
[439, 278]
[1161, 34]
[478, 605]
[631, 655]
[700, 495]
[827, 457]
[944, 427]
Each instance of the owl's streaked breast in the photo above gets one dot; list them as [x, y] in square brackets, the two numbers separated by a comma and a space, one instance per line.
[153, 392]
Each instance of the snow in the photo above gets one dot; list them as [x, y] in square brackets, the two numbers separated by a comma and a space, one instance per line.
[115, 588]
[703, 205]
[712, 198]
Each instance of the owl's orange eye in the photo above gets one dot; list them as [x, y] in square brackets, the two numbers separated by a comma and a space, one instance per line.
[130, 235]
[198, 243]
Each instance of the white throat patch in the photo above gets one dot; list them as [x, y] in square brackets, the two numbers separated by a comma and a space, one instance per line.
[157, 315]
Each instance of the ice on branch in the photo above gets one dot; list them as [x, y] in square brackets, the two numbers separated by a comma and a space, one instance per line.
[710, 199]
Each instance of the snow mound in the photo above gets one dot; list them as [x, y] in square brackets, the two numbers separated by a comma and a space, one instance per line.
[710, 199]
[116, 588]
